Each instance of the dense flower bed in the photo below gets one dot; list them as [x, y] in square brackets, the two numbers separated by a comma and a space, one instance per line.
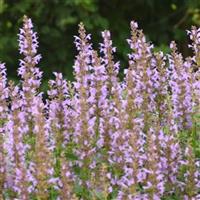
[99, 137]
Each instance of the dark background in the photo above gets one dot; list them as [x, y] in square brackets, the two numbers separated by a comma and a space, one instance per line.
[56, 22]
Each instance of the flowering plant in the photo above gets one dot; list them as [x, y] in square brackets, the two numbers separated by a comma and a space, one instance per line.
[100, 137]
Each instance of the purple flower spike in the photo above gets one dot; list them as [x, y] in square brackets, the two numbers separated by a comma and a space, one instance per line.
[3, 117]
[28, 71]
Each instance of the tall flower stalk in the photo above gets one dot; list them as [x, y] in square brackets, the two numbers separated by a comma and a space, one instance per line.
[30, 74]
[42, 158]
[18, 128]
[84, 123]
[114, 140]
[100, 104]
[160, 85]
[30, 78]
[60, 115]
[3, 119]
[191, 175]
[181, 89]
[140, 60]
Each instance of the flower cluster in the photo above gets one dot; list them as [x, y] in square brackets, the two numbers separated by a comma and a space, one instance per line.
[100, 137]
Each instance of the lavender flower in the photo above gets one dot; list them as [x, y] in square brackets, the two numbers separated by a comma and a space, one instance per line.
[3, 117]
[192, 175]
[114, 140]
[181, 89]
[60, 109]
[28, 71]
[156, 162]
[112, 68]
[84, 123]
[17, 128]
[42, 161]
[60, 115]
[194, 35]
[99, 91]
[160, 84]
[140, 61]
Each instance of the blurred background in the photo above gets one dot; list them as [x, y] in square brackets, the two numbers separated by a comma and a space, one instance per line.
[56, 23]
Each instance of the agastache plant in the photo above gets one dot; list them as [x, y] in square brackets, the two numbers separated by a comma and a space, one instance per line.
[194, 35]
[191, 175]
[115, 141]
[100, 92]
[99, 137]
[140, 59]
[84, 123]
[60, 111]
[181, 88]
[3, 119]
[17, 128]
[160, 85]
[42, 159]
[30, 74]
[155, 180]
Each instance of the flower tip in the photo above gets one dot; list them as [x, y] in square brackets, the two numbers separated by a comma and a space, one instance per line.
[173, 45]
[25, 18]
[134, 25]
[81, 26]
[106, 33]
